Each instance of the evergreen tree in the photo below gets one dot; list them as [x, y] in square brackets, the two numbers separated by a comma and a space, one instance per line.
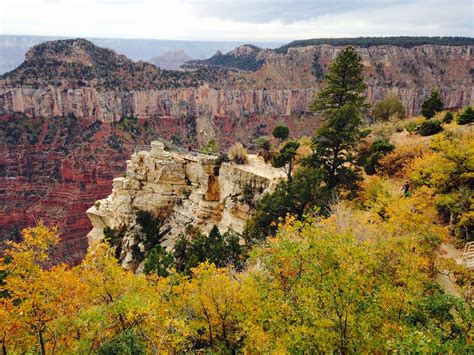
[286, 157]
[303, 193]
[158, 261]
[432, 105]
[341, 103]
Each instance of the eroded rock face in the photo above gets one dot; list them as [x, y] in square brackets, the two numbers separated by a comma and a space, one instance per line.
[108, 106]
[284, 85]
[189, 190]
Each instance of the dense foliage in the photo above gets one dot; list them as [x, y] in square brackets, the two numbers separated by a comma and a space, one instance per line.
[217, 248]
[448, 168]
[360, 280]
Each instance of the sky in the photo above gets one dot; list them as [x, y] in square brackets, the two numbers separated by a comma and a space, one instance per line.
[235, 20]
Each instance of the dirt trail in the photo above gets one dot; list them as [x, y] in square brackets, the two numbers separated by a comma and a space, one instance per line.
[449, 251]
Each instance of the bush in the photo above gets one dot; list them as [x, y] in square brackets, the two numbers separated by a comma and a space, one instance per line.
[222, 158]
[238, 154]
[467, 116]
[394, 163]
[211, 147]
[281, 132]
[447, 168]
[411, 127]
[389, 107]
[430, 127]
[126, 343]
[264, 148]
[448, 117]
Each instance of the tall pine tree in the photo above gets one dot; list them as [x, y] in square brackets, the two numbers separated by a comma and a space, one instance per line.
[341, 104]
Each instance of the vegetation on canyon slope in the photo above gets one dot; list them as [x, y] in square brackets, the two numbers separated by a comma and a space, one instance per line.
[335, 260]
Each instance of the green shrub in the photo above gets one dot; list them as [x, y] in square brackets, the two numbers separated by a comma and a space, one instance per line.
[465, 117]
[281, 132]
[220, 249]
[389, 106]
[126, 343]
[411, 127]
[212, 147]
[430, 127]
[448, 117]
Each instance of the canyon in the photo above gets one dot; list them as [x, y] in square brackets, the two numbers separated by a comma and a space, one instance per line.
[72, 114]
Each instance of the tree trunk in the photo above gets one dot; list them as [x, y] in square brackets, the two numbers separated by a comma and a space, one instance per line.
[41, 341]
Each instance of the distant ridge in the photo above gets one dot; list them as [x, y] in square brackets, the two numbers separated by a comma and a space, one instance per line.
[171, 60]
[399, 41]
[243, 58]
[76, 63]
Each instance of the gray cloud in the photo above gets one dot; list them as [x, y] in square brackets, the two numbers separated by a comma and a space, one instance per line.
[290, 11]
[287, 11]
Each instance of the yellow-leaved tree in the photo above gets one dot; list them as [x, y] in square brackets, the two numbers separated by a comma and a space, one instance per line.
[35, 297]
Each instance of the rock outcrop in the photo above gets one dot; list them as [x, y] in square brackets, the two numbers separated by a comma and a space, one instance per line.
[186, 190]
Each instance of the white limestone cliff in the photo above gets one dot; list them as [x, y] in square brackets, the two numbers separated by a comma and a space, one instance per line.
[190, 190]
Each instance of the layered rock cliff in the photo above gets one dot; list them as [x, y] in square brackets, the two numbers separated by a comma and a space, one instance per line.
[270, 77]
[185, 190]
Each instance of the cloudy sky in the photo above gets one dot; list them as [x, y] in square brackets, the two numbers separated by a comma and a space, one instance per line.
[258, 20]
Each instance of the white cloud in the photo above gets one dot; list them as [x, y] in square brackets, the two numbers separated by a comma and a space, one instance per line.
[257, 20]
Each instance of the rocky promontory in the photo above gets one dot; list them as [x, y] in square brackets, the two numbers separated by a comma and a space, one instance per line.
[185, 190]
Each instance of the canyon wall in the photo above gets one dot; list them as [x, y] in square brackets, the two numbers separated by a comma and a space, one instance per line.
[284, 85]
